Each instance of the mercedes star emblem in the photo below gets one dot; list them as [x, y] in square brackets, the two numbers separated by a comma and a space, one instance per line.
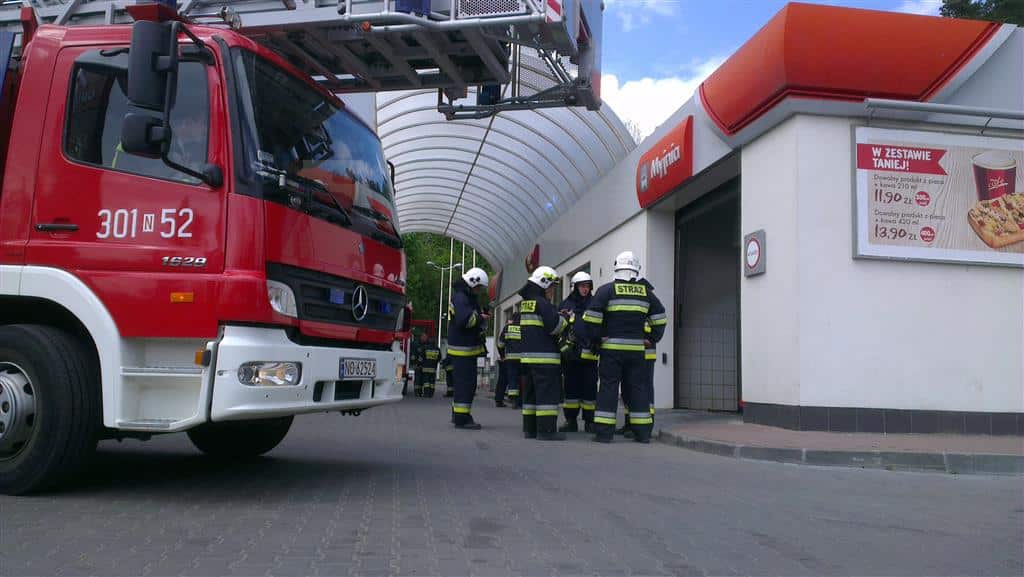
[360, 303]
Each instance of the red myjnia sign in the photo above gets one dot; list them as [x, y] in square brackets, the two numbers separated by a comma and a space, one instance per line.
[666, 164]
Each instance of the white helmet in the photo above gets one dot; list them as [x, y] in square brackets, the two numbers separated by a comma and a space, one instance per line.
[544, 277]
[627, 261]
[475, 277]
[578, 278]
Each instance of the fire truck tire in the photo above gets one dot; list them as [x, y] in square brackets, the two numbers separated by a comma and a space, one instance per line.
[240, 439]
[50, 407]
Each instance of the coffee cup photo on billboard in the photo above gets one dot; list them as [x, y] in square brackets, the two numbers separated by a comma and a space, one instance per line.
[998, 216]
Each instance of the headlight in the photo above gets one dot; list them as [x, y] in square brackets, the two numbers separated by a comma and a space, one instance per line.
[269, 374]
[399, 372]
[282, 299]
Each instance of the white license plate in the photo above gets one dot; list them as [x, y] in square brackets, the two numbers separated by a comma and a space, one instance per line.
[357, 369]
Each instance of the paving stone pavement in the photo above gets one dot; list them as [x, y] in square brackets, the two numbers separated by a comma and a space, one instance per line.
[397, 491]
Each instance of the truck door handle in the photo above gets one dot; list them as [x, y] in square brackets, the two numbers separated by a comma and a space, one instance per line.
[57, 227]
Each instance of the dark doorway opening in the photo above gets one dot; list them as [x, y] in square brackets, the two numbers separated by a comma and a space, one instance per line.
[708, 301]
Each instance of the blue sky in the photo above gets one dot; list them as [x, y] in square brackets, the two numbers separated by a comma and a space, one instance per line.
[656, 52]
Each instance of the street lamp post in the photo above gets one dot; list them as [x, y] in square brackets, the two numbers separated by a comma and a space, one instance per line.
[440, 296]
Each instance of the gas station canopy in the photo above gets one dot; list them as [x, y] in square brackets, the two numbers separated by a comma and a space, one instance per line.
[495, 183]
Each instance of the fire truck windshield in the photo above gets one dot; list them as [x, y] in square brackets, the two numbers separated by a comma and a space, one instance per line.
[304, 151]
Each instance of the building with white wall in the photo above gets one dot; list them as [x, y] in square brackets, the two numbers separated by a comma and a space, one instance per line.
[866, 149]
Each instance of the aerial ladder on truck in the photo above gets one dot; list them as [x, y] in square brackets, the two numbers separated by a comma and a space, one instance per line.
[458, 47]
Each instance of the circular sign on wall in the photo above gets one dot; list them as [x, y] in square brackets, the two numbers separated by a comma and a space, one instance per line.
[754, 249]
[753, 253]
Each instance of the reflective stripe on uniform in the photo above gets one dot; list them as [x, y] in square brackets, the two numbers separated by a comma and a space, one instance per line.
[588, 405]
[651, 355]
[571, 404]
[547, 410]
[540, 358]
[529, 410]
[588, 355]
[461, 408]
[512, 357]
[528, 320]
[604, 418]
[429, 371]
[623, 345]
[593, 317]
[627, 305]
[457, 351]
[512, 392]
[560, 327]
[472, 320]
[643, 419]
[658, 319]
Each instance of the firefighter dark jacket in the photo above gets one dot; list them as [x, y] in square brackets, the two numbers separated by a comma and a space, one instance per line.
[540, 326]
[616, 316]
[464, 322]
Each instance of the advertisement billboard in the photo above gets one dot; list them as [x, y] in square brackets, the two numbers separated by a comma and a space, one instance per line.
[931, 196]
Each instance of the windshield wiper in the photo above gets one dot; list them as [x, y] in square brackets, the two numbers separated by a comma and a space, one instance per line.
[388, 239]
[301, 195]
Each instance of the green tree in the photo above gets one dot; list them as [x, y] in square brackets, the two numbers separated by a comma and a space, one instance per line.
[422, 280]
[1011, 11]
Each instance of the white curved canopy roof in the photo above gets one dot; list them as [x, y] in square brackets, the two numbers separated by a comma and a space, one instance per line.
[497, 183]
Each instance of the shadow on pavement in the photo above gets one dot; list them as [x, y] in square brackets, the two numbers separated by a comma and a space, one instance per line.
[180, 477]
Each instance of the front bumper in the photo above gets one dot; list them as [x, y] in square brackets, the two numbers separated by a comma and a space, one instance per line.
[316, 389]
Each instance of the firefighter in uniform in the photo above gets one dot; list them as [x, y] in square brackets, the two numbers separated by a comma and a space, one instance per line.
[513, 339]
[416, 363]
[428, 358]
[650, 353]
[580, 368]
[615, 322]
[466, 323]
[539, 356]
[502, 386]
[449, 376]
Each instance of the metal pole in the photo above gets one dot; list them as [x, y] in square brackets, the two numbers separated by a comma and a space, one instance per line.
[451, 258]
[474, 257]
[463, 257]
[440, 308]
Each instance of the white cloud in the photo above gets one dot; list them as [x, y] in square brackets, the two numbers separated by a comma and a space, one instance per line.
[635, 13]
[648, 102]
[929, 7]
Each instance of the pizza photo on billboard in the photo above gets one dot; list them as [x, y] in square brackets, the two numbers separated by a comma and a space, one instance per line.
[999, 222]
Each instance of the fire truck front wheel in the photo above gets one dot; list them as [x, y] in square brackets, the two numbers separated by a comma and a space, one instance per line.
[240, 439]
[49, 407]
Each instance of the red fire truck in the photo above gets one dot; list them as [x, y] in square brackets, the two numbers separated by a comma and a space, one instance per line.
[194, 236]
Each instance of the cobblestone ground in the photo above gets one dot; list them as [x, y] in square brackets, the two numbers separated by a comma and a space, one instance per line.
[398, 492]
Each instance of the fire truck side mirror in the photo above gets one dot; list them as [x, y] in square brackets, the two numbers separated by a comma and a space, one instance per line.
[153, 64]
[143, 134]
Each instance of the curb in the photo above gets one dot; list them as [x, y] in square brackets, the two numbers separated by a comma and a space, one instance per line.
[952, 463]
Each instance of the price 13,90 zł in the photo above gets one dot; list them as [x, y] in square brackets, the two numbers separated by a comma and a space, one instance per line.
[893, 233]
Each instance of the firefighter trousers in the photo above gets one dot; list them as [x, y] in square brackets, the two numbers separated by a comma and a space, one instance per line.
[428, 382]
[650, 388]
[580, 390]
[417, 384]
[465, 389]
[512, 378]
[541, 390]
[500, 388]
[628, 369]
